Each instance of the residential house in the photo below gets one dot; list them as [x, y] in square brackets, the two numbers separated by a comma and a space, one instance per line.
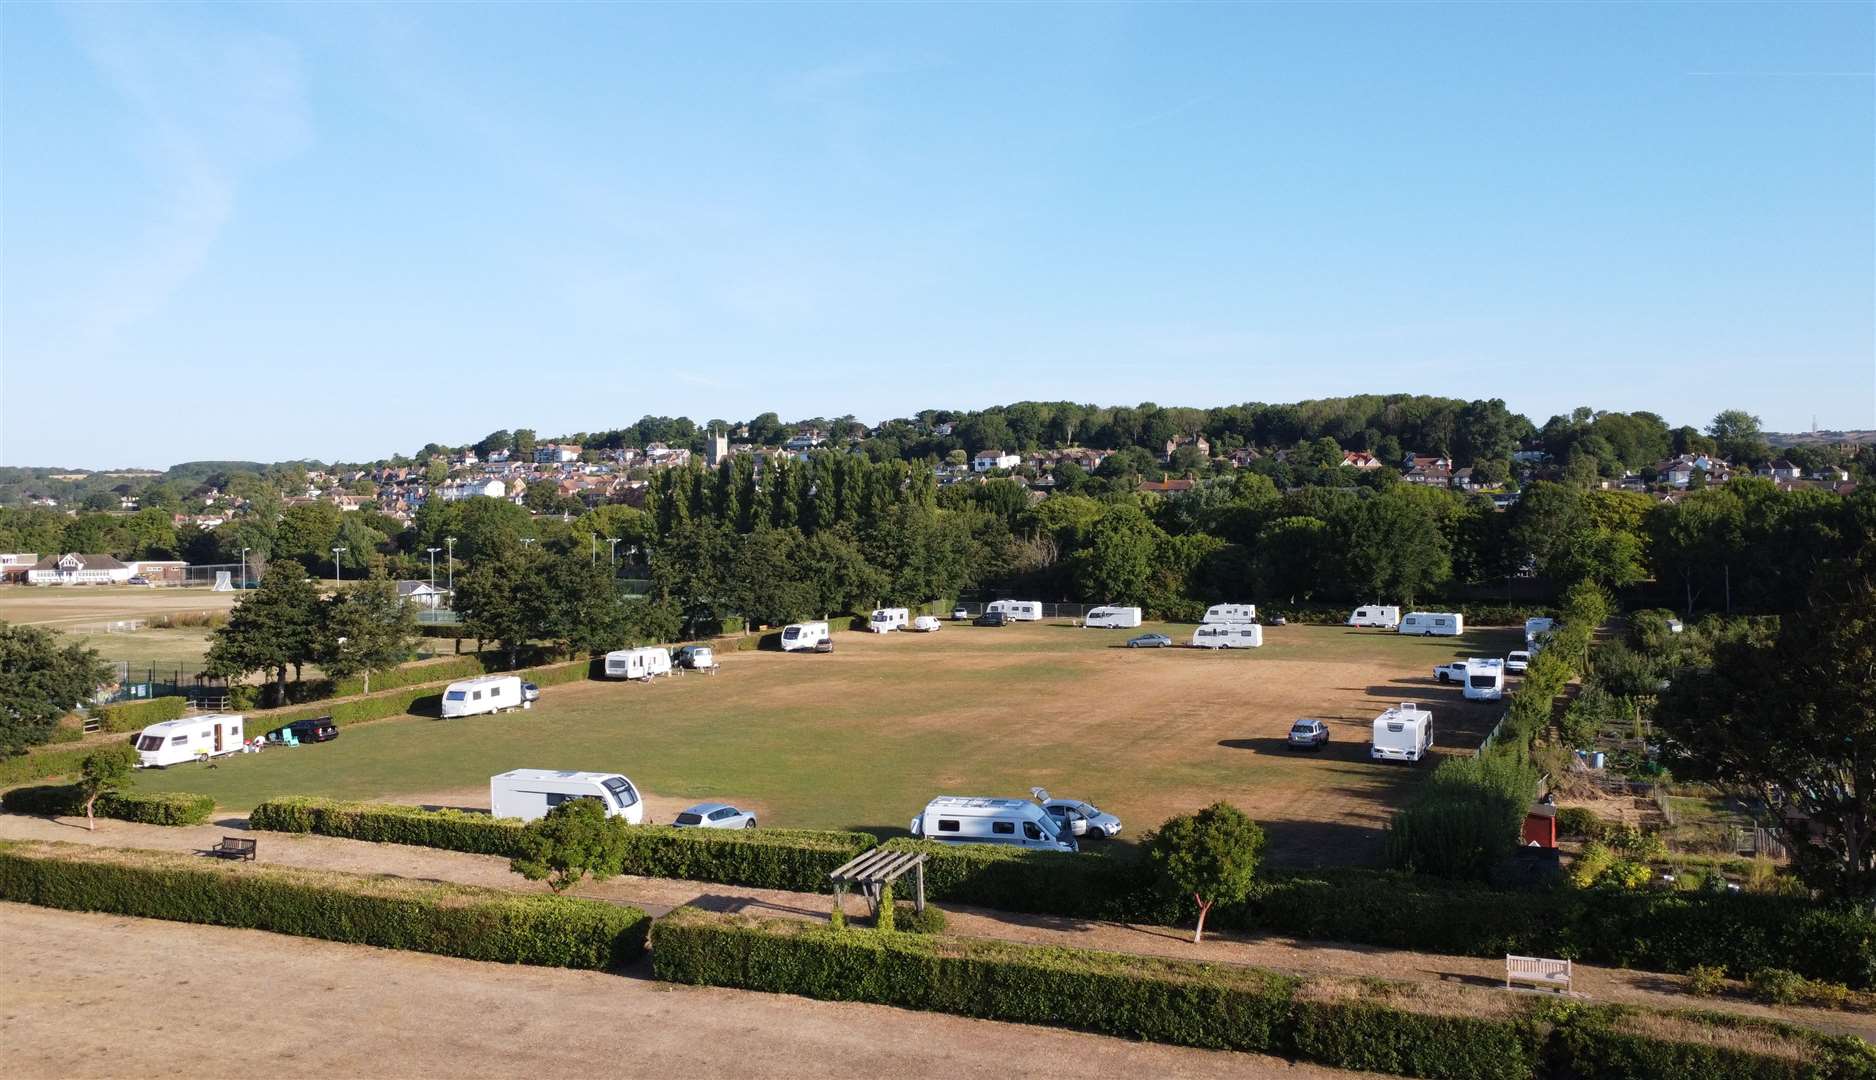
[1243, 456]
[464, 458]
[1203, 444]
[1357, 459]
[497, 457]
[1781, 469]
[986, 460]
[1679, 472]
[1830, 474]
[457, 490]
[422, 594]
[1167, 487]
[1428, 471]
[806, 440]
[76, 569]
[556, 453]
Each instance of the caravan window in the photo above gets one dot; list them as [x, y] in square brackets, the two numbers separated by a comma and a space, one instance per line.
[180, 740]
[791, 633]
[478, 695]
[150, 742]
[1484, 682]
[947, 825]
[622, 791]
[454, 695]
[495, 691]
[1003, 828]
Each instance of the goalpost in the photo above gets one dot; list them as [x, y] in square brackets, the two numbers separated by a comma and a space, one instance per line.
[224, 582]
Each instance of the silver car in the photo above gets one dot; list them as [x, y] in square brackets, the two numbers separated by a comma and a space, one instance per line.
[715, 815]
[1082, 819]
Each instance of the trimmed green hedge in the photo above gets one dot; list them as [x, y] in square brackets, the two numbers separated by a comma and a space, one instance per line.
[422, 700]
[392, 913]
[794, 859]
[66, 800]
[39, 764]
[1406, 1028]
[1080, 885]
[129, 716]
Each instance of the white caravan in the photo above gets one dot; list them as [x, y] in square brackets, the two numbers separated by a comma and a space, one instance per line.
[887, 619]
[1113, 618]
[1403, 733]
[1228, 636]
[1433, 623]
[1230, 613]
[529, 794]
[803, 635]
[1485, 680]
[959, 819]
[1016, 610]
[487, 694]
[1536, 628]
[1386, 618]
[645, 663]
[191, 738]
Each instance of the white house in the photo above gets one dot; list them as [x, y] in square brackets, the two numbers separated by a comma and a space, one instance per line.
[75, 569]
[556, 453]
[987, 460]
[807, 440]
[456, 490]
[422, 594]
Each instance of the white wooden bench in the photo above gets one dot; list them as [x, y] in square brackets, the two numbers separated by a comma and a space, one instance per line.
[1537, 971]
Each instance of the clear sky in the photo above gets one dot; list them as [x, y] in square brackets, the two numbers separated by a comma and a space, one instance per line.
[341, 231]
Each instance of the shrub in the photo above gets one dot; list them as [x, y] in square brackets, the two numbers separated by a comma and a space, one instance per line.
[1706, 980]
[389, 912]
[1210, 856]
[909, 920]
[882, 919]
[1776, 986]
[136, 715]
[1411, 1029]
[68, 800]
[794, 859]
[65, 733]
[575, 839]
[1465, 818]
[1087, 885]
[1580, 822]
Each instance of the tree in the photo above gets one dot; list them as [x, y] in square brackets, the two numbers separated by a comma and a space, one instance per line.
[1392, 545]
[1794, 719]
[366, 628]
[1736, 433]
[1211, 856]
[501, 599]
[575, 839]
[583, 607]
[103, 771]
[270, 629]
[41, 679]
[1114, 567]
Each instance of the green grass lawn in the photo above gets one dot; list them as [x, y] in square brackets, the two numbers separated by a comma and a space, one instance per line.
[165, 648]
[863, 737]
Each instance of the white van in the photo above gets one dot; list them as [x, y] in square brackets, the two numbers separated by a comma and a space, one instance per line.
[529, 794]
[1387, 618]
[1485, 680]
[1230, 613]
[487, 694]
[960, 819]
[1016, 610]
[191, 738]
[1403, 733]
[1113, 618]
[887, 619]
[1535, 628]
[1433, 623]
[927, 624]
[803, 635]
[645, 663]
[1228, 636]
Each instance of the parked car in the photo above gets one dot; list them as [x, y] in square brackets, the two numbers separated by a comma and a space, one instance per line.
[696, 658]
[1454, 672]
[1517, 660]
[991, 618]
[824, 645]
[314, 729]
[1083, 819]
[927, 624]
[715, 815]
[1307, 734]
[959, 614]
[530, 693]
[1149, 641]
[1276, 620]
[137, 579]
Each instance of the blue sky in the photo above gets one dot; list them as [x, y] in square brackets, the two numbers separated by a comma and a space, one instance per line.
[341, 231]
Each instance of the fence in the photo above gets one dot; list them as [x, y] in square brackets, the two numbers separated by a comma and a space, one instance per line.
[438, 617]
[1757, 841]
[141, 681]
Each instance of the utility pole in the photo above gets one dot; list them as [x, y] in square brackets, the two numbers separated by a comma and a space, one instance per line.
[451, 541]
[244, 570]
[336, 574]
[614, 541]
[433, 552]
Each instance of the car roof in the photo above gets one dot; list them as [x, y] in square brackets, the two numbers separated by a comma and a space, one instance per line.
[708, 808]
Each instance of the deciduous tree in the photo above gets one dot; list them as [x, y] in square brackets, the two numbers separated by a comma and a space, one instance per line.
[1211, 856]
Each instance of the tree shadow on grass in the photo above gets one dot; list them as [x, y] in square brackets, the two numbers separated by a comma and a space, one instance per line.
[748, 905]
[1345, 750]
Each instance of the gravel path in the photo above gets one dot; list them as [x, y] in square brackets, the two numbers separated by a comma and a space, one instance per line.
[659, 895]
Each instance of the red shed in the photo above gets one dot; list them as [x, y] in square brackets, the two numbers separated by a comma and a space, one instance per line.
[1540, 826]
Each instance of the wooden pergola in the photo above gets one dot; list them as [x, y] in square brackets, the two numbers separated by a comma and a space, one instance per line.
[871, 872]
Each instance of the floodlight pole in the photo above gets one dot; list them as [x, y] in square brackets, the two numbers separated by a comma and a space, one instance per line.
[451, 541]
[337, 575]
[433, 552]
[244, 569]
[614, 541]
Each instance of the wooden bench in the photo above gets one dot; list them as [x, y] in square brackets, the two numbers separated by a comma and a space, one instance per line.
[235, 847]
[1538, 972]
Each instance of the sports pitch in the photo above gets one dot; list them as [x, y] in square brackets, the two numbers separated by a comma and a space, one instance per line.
[864, 736]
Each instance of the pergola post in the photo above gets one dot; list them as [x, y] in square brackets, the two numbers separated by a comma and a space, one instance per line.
[918, 903]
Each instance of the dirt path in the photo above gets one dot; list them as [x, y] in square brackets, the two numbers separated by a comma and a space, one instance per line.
[659, 895]
[349, 1010]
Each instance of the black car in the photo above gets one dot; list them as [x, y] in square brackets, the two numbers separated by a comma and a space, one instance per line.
[316, 729]
[991, 618]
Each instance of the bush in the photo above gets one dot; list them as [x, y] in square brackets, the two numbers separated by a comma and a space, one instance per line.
[389, 912]
[1581, 823]
[65, 733]
[136, 715]
[1411, 1029]
[68, 800]
[1465, 819]
[1706, 980]
[908, 920]
[1100, 885]
[793, 859]
[1776, 986]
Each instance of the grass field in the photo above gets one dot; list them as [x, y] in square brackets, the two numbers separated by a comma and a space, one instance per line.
[72, 607]
[863, 737]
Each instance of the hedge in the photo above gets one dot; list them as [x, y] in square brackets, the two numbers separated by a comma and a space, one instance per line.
[798, 860]
[67, 800]
[39, 764]
[1406, 1028]
[1078, 885]
[389, 912]
[137, 715]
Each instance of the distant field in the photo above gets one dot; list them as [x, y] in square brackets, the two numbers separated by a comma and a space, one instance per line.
[72, 607]
[863, 737]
